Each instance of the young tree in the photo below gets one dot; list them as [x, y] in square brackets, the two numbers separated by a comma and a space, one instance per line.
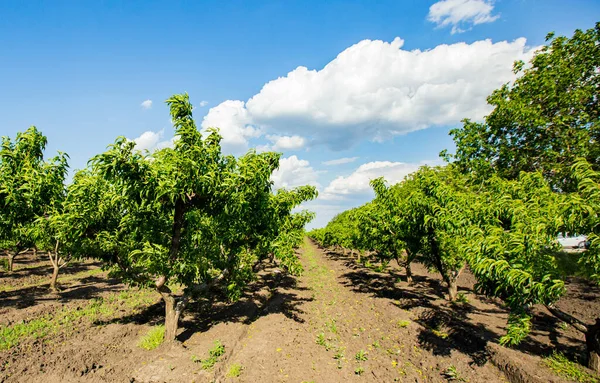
[185, 215]
[512, 255]
[29, 188]
[544, 120]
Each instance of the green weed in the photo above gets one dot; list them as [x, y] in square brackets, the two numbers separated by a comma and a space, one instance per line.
[462, 298]
[153, 338]
[403, 323]
[235, 370]
[565, 368]
[213, 355]
[361, 356]
[359, 370]
[452, 374]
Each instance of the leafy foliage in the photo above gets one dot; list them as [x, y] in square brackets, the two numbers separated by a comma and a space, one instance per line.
[544, 120]
[30, 187]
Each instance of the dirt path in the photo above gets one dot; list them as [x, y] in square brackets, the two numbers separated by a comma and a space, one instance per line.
[338, 322]
[320, 330]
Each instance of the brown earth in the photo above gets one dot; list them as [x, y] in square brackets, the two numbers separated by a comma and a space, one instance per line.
[340, 321]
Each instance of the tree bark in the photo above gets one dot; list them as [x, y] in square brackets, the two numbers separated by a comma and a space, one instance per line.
[173, 310]
[11, 260]
[55, 269]
[452, 289]
[409, 277]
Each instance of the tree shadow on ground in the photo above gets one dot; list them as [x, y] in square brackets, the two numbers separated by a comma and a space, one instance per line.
[46, 270]
[85, 289]
[446, 326]
[270, 293]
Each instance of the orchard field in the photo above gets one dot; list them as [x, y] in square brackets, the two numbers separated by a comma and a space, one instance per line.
[184, 264]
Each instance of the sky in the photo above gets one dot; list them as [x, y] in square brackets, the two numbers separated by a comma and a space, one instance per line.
[347, 90]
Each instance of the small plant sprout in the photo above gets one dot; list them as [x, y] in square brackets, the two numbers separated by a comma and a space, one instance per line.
[361, 356]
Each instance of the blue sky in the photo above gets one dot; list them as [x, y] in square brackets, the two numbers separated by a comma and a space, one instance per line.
[347, 90]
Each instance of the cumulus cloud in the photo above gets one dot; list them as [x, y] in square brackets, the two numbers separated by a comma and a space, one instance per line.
[294, 172]
[234, 123]
[457, 13]
[340, 161]
[150, 140]
[146, 104]
[280, 143]
[374, 90]
[357, 183]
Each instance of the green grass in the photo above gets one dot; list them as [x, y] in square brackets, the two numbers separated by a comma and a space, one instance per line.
[4, 264]
[213, 356]
[66, 319]
[565, 368]
[359, 371]
[235, 370]
[153, 338]
[46, 280]
[568, 264]
[403, 323]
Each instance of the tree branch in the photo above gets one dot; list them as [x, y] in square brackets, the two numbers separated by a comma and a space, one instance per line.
[563, 316]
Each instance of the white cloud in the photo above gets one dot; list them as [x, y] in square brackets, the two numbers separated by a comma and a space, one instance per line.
[340, 161]
[374, 90]
[357, 183]
[203, 103]
[286, 142]
[294, 172]
[234, 123]
[146, 104]
[461, 12]
[150, 140]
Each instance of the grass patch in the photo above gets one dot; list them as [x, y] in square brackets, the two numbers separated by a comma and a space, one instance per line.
[67, 319]
[45, 280]
[565, 368]
[403, 323]
[4, 264]
[213, 356]
[153, 338]
[235, 370]
[568, 263]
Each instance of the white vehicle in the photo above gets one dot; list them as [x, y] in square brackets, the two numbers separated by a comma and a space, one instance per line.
[570, 241]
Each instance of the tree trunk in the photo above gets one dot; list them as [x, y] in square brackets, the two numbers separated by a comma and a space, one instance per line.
[409, 278]
[452, 289]
[173, 310]
[55, 269]
[592, 340]
[359, 253]
[11, 260]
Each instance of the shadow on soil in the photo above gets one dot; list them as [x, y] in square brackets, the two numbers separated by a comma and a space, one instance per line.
[84, 289]
[447, 326]
[271, 293]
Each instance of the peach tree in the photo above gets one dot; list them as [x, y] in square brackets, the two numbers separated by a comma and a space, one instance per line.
[185, 216]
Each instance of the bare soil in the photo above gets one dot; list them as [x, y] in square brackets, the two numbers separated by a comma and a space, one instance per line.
[340, 321]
